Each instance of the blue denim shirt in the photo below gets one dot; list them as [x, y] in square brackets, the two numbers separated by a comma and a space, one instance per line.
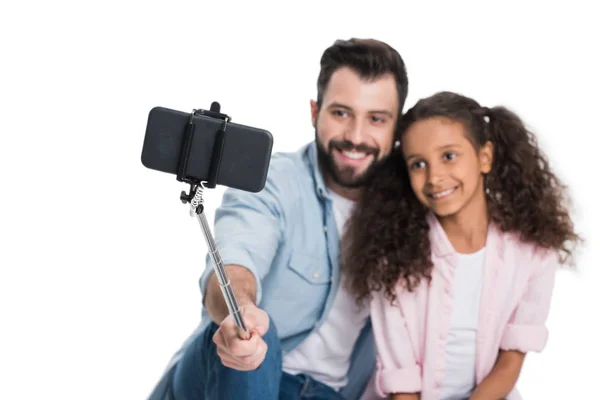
[287, 237]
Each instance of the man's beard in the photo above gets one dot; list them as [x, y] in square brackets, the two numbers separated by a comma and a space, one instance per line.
[346, 176]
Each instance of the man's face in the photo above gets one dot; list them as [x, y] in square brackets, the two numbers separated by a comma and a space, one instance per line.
[355, 125]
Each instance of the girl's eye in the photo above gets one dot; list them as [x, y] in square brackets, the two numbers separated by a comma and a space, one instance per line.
[449, 156]
[417, 164]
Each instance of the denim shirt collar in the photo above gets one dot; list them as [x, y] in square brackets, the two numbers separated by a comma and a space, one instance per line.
[313, 164]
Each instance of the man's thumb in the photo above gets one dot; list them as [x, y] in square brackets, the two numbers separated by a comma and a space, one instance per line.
[256, 320]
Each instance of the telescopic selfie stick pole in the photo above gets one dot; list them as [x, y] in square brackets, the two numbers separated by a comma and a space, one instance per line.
[197, 205]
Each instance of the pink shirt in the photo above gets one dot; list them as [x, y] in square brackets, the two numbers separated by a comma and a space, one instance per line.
[515, 301]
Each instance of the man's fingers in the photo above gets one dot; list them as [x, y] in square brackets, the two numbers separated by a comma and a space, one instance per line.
[229, 339]
[246, 363]
[244, 335]
[228, 329]
[256, 319]
[250, 320]
[258, 356]
[236, 353]
[242, 348]
[230, 361]
[257, 329]
[219, 339]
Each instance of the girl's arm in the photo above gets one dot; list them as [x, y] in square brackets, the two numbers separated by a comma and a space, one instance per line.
[501, 381]
[398, 373]
[411, 396]
[526, 331]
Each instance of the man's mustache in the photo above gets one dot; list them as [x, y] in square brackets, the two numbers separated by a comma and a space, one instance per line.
[344, 145]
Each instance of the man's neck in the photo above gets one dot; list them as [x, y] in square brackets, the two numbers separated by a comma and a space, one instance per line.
[348, 193]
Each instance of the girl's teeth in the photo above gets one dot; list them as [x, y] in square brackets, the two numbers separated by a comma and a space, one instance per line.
[441, 194]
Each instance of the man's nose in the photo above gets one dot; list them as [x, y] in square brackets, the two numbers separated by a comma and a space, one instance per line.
[355, 131]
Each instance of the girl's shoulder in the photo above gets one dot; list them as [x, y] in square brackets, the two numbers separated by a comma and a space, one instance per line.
[516, 251]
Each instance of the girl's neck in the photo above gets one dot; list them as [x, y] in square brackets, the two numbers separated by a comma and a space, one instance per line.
[467, 230]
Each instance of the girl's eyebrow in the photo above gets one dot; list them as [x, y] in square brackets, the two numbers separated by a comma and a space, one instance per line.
[411, 156]
[444, 147]
[448, 146]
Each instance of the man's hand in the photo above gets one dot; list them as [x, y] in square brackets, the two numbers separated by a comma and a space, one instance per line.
[243, 354]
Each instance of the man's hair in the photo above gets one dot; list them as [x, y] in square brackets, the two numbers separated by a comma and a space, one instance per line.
[370, 58]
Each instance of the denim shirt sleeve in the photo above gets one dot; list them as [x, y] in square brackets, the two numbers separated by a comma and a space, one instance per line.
[248, 229]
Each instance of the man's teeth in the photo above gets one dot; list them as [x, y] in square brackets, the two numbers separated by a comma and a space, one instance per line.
[355, 155]
[442, 194]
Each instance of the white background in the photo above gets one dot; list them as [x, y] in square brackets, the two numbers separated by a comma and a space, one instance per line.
[100, 260]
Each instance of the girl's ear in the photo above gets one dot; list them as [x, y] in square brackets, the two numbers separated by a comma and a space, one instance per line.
[486, 157]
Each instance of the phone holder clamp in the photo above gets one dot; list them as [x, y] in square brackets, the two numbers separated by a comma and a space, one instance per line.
[217, 151]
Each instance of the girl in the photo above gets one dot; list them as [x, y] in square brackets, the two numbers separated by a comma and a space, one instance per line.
[456, 244]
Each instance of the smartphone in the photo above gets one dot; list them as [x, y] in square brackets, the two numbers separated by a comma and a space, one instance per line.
[245, 154]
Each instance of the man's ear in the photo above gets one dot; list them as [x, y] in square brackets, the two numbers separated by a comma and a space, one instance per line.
[314, 112]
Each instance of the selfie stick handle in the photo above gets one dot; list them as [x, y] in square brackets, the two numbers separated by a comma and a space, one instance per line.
[198, 208]
[197, 204]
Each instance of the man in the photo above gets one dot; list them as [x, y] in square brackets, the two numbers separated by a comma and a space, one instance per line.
[281, 246]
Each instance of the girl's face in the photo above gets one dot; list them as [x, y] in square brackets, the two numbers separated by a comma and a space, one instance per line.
[444, 167]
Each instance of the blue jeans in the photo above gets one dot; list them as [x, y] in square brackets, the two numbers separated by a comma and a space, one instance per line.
[201, 375]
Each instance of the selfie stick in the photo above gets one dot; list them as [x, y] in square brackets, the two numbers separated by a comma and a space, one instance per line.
[197, 204]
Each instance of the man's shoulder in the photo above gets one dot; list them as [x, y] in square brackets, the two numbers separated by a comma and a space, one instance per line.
[290, 167]
[288, 161]
[291, 177]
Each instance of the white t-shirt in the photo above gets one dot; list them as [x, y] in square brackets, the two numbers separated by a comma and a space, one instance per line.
[325, 354]
[459, 381]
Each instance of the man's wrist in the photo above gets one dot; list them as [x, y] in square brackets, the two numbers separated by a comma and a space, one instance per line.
[245, 301]
[243, 284]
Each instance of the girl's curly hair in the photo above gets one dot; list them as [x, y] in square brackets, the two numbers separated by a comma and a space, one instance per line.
[387, 239]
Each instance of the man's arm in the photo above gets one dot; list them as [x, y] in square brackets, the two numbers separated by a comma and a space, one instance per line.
[248, 229]
[243, 284]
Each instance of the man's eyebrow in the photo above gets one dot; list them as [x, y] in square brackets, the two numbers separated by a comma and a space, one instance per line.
[386, 112]
[347, 108]
[339, 105]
